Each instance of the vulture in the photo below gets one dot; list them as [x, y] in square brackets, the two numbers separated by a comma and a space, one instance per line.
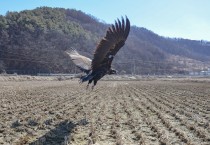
[105, 51]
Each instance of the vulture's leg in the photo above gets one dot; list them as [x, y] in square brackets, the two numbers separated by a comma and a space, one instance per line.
[89, 82]
[94, 83]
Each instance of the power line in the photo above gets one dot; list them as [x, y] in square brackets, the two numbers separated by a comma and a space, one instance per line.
[133, 63]
[127, 60]
[26, 56]
[26, 60]
[21, 54]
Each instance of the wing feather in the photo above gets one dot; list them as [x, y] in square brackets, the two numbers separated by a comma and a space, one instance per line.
[115, 38]
[82, 62]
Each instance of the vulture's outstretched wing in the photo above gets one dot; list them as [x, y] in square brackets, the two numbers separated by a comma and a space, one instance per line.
[82, 62]
[115, 38]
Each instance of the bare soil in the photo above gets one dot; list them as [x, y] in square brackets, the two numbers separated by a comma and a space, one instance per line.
[155, 112]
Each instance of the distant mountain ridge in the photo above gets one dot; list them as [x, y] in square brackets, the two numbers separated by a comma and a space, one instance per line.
[34, 41]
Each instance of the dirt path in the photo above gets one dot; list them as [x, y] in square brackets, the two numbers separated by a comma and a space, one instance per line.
[115, 113]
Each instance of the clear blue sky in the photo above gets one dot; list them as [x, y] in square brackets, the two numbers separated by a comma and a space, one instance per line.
[173, 18]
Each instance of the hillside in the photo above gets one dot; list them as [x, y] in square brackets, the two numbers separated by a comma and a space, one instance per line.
[34, 41]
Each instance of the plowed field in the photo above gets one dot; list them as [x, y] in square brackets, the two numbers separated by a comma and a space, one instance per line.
[153, 112]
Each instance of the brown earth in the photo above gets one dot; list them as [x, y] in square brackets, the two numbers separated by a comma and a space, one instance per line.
[115, 113]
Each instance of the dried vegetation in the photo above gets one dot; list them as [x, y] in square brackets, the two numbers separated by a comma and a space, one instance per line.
[116, 113]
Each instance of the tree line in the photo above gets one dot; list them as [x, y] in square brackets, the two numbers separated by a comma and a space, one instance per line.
[34, 41]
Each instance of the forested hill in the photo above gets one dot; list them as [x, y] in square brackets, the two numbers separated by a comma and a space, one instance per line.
[34, 41]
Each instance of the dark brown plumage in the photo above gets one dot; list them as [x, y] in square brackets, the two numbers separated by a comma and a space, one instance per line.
[115, 38]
